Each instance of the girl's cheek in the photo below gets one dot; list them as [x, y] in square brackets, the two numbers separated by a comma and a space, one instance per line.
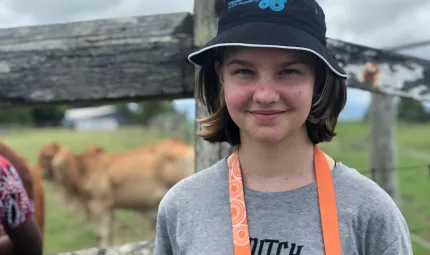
[238, 96]
[297, 94]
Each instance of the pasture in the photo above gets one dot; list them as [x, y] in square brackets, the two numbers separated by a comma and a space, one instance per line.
[66, 230]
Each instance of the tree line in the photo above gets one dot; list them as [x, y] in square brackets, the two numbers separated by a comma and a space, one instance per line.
[54, 115]
[411, 110]
[408, 110]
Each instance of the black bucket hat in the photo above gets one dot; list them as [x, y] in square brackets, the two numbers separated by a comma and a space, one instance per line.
[287, 24]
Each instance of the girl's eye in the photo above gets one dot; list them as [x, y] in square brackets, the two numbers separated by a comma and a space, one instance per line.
[243, 72]
[290, 71]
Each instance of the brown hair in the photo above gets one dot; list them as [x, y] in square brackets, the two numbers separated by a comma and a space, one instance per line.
[328, 100]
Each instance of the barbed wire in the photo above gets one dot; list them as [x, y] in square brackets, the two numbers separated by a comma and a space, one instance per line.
[405, 168]
[417, 230]
[354, 148]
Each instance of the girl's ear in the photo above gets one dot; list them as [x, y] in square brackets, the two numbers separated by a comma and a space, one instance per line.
[217, 67]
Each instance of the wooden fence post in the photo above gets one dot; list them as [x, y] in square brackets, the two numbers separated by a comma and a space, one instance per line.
[382, 152]
[205, 28]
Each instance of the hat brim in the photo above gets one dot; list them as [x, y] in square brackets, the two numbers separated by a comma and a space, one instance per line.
[272, 35]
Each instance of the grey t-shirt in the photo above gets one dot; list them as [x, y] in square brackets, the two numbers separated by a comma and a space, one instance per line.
[194, 218]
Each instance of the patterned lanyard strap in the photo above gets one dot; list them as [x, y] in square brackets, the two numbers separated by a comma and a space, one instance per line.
[326, 199]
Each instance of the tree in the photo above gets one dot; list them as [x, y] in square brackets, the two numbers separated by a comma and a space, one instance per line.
[16, 116]
[411, 110]
[147, 110]
[48, 116]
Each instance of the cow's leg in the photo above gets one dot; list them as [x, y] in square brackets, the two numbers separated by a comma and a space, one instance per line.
[106, 229]
[85, 209]
[110, 226]
[103, 213]
[151, 215]
[88, 216]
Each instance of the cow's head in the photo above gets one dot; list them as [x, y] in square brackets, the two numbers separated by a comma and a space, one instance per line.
[46, 155]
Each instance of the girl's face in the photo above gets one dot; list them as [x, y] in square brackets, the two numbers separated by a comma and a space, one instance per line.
[268, 91]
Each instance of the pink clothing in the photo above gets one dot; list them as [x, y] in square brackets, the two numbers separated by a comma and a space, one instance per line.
[15, 206]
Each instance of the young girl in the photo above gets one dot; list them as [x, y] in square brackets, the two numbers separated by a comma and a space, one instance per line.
[274, 92]
[16, 214]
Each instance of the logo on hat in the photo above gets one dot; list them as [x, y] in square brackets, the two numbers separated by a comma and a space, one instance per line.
[274, 5]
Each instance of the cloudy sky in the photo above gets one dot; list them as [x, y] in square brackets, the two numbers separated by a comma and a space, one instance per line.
[376, 23]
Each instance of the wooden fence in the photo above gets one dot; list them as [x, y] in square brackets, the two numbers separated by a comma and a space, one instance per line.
[145, 58]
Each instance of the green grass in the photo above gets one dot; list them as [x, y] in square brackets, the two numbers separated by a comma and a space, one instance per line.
[65, 230]
[413, 149]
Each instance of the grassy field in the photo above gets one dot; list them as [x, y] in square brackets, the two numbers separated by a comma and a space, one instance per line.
[65, 230]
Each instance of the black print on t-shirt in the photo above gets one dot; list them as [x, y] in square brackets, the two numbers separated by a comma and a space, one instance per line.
[273, 247]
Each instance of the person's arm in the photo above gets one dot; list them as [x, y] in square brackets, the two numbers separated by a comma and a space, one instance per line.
[17, 218]
[386, 231]
[400, 246]
[26, 238]
[6, 246]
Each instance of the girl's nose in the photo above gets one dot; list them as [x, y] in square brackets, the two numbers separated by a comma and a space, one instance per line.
[265, 95]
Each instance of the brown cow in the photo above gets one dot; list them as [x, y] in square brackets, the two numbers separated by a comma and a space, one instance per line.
[59, 166]
[135, 180]
[32, 183]
[46, 155]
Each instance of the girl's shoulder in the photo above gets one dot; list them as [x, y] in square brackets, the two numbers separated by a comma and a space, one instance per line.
[353, 182]
[362, 200]
[209, 183]
[362, 194]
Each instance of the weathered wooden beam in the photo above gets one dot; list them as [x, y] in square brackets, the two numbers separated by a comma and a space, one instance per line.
[382, 71]
[121, 59]
[140, 58]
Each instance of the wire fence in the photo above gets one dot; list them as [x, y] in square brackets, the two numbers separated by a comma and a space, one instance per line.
[420, 235]
[405, 168]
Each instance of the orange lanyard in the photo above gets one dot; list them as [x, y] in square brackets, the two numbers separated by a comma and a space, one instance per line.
[326, 198]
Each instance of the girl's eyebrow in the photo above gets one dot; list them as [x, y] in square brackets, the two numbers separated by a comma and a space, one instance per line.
[294, 62]
[240, 62]
[284, 63]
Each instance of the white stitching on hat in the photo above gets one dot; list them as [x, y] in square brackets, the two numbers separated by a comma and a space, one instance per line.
[264, 45]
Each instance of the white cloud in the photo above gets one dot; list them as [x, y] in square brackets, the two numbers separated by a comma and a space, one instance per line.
[9, 18]
[382, 23]
[60, 11]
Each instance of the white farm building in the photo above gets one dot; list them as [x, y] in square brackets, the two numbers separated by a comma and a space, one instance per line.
[92, 118]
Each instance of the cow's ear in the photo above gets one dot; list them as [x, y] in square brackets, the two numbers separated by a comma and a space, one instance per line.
[55, 145]
[96, 149]
[100, 150]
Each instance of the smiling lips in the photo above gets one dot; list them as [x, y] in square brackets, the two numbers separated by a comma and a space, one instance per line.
[266, 115]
